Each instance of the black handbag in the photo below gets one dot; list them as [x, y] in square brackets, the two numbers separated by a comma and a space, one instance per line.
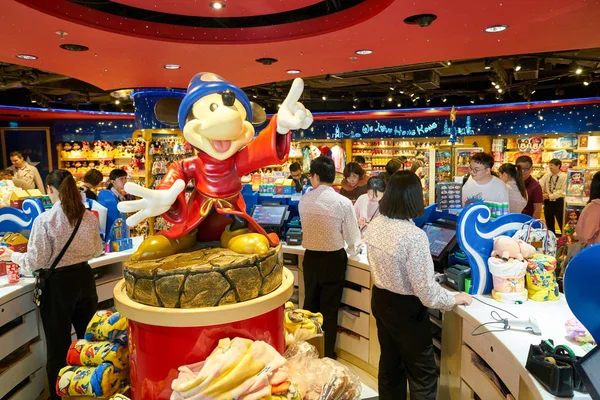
[554, 368]
[42, 275]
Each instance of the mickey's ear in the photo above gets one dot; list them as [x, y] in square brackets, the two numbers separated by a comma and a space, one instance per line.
[166, 110]
[258, 114]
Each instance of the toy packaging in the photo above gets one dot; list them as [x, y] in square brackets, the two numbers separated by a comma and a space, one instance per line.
[541, 279]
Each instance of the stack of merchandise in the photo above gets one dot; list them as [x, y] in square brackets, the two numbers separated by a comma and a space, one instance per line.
[449, 195]
[98, 365]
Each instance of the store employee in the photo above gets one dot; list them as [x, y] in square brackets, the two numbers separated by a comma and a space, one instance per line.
[297, 176]
[328, 223]
[554, 189]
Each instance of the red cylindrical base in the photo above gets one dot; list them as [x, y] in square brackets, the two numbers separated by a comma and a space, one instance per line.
[157, 351]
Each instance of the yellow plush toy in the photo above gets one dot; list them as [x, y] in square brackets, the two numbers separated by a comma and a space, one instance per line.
[301, 325]
[541, 278]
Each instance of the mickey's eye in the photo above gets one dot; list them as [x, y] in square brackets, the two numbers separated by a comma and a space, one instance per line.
[213, 107]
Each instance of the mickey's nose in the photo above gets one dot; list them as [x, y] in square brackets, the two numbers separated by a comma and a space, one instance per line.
[228, 98]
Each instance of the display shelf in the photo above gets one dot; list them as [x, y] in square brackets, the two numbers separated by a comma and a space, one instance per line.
[586, 151]
[90, 159]
[558, 148]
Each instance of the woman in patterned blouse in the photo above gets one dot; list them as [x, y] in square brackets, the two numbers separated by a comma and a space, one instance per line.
[404, 286]
[69, 297]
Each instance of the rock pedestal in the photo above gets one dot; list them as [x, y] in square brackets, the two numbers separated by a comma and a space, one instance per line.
[204, 277]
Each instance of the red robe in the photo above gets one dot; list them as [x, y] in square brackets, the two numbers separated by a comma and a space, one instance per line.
[218, 182]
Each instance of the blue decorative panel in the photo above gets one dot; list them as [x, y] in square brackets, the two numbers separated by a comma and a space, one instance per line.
[475, 233]
[20, 221]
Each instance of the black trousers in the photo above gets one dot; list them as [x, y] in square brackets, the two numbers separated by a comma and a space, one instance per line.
[404, 333]
[324, 277]
[554, 210]
[70, 298]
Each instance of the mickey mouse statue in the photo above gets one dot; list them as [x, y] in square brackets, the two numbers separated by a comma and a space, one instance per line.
[216, 119]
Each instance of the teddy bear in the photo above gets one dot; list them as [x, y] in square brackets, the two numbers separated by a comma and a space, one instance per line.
[506, 247]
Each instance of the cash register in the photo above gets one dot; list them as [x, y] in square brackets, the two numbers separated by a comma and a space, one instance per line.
[270, 217]
[442, 241]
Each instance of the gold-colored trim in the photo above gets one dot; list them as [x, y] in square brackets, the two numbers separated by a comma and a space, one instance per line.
[207, 316]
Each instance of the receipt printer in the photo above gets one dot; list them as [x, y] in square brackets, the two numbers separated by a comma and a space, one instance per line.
[294, 236]
[456, 275]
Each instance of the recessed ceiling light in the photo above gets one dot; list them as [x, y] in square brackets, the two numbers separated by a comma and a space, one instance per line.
[26, 57]
[73, 47]
[579, 70]
[364, 52]
[495, 28]
[172, 66]
[293, 71]
[217, 5]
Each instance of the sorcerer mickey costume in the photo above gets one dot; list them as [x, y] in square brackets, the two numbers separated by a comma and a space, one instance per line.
[215, 118]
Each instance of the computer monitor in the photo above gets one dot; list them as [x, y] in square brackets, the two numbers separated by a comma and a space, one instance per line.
[588, 368]
[269, 216]
[442, 238]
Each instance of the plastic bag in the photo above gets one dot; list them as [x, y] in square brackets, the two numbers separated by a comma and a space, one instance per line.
[301, 325]
[320, 378]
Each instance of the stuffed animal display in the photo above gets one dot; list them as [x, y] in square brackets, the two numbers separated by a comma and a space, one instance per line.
[506, 248]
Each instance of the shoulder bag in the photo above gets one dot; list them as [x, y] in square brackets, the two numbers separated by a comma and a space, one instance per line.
[42, 275]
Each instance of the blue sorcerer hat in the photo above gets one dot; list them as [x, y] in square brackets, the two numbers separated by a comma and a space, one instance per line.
[205, 83]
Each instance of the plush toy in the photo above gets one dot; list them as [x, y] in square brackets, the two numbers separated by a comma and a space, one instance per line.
[506, 247]
[85, 147]
[217, 118]
[67, 146]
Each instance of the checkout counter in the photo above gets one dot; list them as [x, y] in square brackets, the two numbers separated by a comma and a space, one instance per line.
[503, 353]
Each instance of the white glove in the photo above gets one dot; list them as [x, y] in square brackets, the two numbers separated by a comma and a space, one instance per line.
[293, 115]
[152, 202]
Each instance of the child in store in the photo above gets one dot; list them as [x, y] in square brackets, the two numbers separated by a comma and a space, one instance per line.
[404, 287]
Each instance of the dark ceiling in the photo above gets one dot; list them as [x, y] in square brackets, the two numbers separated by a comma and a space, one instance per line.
[459, 82]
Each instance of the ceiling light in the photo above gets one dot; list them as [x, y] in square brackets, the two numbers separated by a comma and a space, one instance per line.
[579, 70]
[354, 97]
[497, 86]
[117, 102]
[495, 28]
[587, 80]
[217, 5]
[392, 88]
[518, 66]
[481, 96]
[27, 57]
[371, 104]
[448, 63]
[364, 52]
[382, 103]
[279, 105]
[399, 104]
[34, 101]
[293, 71]
[472, 100]
[354, 106]
[390, 98]
[493, 83]
[487, 65]
[172, 66]
[324, 97]
[427, 99]
[576, 68]
[401, 91]
[500, 90]
[444, 99]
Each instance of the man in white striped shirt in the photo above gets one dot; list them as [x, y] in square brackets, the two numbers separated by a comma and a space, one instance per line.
[328, 222]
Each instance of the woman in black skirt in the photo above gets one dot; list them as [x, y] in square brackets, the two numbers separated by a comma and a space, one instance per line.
[70, 295]
[404, 286]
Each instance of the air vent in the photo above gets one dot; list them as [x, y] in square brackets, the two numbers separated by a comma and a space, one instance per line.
[529, 69]
[74, 47]
[426, 80]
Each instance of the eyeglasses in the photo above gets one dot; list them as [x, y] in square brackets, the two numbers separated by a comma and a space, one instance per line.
[476, 169]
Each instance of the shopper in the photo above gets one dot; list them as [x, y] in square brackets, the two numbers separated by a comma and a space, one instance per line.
[359, 159]
[391, 167]
[355, 181]
[417, 168]
[512, 176]
[328, 223]
[482, 186]
[9, 175]
[367, 205]
[554, 190]
[27, 176]
[91, 180]
[588, 226]
[404, 287]
[116, 183]
[298, 177]
[535, 197]
[69, 297]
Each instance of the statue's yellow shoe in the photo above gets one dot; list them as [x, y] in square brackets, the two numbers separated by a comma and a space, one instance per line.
[228, 234]
[249, 243]
[159, 246]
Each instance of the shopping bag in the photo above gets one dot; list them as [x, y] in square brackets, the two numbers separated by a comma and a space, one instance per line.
[536, 233]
